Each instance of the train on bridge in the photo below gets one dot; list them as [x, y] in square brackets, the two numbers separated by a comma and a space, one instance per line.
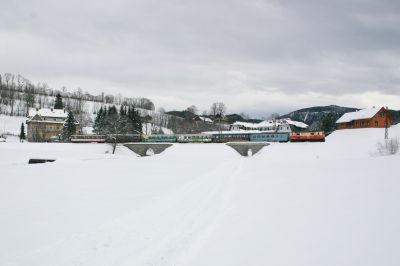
[210, 137]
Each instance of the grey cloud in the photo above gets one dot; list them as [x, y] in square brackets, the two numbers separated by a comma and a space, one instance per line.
[193, 52]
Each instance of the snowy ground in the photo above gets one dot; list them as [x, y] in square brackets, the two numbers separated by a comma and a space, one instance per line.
[333, 203]
[11, 124]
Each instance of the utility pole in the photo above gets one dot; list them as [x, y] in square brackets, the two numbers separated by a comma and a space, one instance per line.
[386, 124]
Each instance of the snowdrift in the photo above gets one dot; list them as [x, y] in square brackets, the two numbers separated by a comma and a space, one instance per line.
[331, 203]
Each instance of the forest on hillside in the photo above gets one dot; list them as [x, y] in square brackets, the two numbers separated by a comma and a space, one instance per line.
[18, 94]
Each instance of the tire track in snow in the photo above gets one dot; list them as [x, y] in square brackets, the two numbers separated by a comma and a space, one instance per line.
[200, 218]
[166, 232]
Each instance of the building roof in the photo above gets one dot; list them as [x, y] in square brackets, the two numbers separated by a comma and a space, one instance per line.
[205, 119]
[46, 112]
[361, 114]
[270, 123]
[231, 132]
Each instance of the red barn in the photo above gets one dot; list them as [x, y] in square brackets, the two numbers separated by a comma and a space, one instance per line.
[366, 118]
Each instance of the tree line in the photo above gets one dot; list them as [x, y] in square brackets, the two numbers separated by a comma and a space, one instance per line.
[110, 121]
[18, 94]
[117, 125]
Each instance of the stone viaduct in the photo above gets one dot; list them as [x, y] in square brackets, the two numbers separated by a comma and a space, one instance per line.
[247, 148]
[146, 149]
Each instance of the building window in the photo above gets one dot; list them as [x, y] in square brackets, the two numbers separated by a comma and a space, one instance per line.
[376, 123]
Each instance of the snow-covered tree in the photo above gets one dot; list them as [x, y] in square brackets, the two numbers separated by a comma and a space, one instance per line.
[69, 127]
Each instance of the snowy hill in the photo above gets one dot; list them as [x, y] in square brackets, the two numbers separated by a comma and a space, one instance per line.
[332, 203]
[11, 124]
[314, 114]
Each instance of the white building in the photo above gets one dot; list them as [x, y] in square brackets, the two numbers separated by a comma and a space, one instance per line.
[44, 124]
[279, 125]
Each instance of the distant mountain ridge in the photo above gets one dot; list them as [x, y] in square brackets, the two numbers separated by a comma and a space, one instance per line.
[313, 116]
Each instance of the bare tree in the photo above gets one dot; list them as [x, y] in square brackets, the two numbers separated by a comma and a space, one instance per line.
[193, 109]
[218, 109]
[11, 92]
[213, 109]
[41, 94]
[1, 91]
[274, 116]
[109, 98]
[29, 95]
[389, 147]
[118, 99]
[221, 109]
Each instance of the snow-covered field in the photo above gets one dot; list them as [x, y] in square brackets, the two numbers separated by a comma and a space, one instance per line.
[11, 124]
[333, 203]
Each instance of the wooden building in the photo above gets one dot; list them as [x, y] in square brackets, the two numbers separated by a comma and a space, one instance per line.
[46, 124]
[365, 118]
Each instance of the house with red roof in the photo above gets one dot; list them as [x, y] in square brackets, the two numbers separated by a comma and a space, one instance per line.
[365, 118]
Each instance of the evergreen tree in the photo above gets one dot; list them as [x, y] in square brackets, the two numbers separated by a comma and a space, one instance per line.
[69, 127]
[138, 122]
[112, 122]
[122, 110]
[98, 127]
[22, 133]
[112, 111]
[134, 121]
[329, 123]
[58, 104]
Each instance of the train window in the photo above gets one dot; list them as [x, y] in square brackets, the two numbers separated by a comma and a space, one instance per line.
[312, 134]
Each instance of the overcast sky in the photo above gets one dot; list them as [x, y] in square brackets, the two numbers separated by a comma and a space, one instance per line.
[257, 56]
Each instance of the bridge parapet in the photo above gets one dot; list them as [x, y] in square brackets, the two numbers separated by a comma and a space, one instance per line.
[247, 148]
[146, 149]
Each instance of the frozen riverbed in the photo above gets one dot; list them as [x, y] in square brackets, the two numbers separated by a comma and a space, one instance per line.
[332, 203]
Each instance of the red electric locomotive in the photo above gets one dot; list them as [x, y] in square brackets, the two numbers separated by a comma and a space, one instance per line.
[307, 136]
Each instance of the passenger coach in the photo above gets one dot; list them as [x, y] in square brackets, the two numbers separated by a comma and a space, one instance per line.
[228, 137]
[89, 138]
[270, 137]
[194, 138]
